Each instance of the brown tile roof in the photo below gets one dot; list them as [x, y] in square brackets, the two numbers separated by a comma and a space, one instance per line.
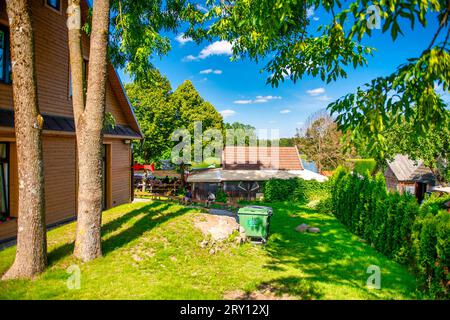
[257, 158]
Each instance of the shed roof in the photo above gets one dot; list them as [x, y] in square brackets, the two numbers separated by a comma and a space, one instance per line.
[257, 158]
[406, 169]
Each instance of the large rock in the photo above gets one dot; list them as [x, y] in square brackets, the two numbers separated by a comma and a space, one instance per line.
[302, 228]
[314, 230]
[218, 227]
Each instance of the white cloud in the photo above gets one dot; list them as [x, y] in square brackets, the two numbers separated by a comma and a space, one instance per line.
[190, 58]
[243, 101]
[316, 92]
[208, 71]
[218, 48]
[227, 113]
[258, 99]
[284, 111]
[182, 40]
[310, 12]
[316, 18]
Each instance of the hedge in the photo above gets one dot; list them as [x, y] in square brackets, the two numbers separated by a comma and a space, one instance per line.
[396, 226]
[294, 189]
[362, 165]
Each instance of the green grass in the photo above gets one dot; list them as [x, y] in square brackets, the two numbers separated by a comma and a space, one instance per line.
[152, 251]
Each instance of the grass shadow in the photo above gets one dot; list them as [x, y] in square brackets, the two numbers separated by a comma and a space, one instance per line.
[140, 226]
[110, 243]
[333, 256]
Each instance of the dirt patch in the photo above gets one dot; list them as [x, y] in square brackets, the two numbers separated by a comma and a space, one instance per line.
[264, 292]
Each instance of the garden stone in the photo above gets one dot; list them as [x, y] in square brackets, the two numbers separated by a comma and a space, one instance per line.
[314, 230]
[302, 228]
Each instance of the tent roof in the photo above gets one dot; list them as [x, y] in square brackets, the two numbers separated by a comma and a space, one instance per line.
[220, 175]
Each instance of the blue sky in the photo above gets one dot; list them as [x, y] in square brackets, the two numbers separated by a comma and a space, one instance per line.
[238, 89]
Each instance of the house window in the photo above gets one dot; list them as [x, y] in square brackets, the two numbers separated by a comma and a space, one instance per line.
[54, 4]
[5, 60]
[4, 179]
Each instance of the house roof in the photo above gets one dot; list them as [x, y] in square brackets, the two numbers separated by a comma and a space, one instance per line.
[406, 169]
[65, 124]
[221, 175]
[258, 158]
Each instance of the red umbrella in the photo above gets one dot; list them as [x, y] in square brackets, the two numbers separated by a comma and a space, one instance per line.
[144, 167]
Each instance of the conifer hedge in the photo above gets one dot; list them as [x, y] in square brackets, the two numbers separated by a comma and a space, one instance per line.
[396, 226]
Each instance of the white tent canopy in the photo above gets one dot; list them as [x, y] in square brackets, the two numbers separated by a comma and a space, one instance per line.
[220, 175]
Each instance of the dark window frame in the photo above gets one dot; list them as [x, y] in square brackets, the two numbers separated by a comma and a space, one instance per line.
[57, 8]
[6, 183]
[6, 76]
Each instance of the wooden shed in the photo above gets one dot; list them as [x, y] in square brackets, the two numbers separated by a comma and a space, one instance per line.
[405, 175]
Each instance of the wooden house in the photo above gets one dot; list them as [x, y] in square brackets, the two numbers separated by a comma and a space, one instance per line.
[55, 102]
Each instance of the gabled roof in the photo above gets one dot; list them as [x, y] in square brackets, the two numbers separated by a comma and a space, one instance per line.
[406, 169]
[123, 100]
[258, 158]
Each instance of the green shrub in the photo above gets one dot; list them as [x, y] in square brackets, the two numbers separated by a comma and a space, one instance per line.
[362, 166]
[295, 189]
[325, 205]
[221, 196]
[396, 226]
[432, 248]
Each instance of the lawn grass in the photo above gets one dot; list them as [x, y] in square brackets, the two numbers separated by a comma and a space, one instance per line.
[152, 251]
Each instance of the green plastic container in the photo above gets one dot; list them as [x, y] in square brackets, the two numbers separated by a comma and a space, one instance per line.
[255, 220]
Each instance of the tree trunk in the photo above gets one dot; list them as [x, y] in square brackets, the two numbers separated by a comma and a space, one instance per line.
[31, 251]
[89, 125]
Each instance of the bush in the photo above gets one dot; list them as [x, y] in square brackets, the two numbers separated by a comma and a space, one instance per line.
[362, 166]
[295, 189]
[221, 196]
[395, 225]
[432, 248]
[325, 205]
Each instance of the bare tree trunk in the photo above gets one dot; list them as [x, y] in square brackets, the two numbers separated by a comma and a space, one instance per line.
[31, 251]
[89, 120]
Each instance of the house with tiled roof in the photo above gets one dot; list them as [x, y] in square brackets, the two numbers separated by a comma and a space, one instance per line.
[406, 175]
[244, 168]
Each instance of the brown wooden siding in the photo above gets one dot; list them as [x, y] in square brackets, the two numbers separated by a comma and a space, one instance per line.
[52, 64]
[121, 172]
[60, 178]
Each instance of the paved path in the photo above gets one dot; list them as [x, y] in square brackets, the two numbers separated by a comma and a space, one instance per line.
[220, 212]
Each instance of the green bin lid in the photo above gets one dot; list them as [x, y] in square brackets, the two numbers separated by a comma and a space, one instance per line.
[256, 210]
